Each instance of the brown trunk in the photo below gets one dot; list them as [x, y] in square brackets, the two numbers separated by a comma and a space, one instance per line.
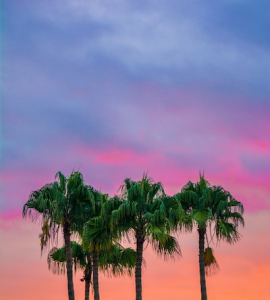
[201, 232]
[69, 261]
[87, 289]
[95, 275]
[87, 279]
[138, 268]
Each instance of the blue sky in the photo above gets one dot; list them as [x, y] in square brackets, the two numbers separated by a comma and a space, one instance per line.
[116, 88]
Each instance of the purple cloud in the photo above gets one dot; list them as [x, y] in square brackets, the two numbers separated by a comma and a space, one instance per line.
[116, 88]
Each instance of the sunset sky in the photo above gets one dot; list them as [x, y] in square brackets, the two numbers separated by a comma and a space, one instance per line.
[115, 88]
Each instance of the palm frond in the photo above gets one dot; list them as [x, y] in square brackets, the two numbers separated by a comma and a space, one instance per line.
[210, 262]
[117, 261]
[56, 258]
[166, 246]
[227, 231]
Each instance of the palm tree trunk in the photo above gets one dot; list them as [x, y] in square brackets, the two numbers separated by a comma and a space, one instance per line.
[87, 279]
[71, 295]
[95, 275]
[138, 267]
[201, 232]
[87, 289]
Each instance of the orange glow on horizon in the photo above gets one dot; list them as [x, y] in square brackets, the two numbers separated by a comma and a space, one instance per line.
[24, 274]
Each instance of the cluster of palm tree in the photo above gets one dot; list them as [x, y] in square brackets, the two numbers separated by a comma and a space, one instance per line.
[142, 212]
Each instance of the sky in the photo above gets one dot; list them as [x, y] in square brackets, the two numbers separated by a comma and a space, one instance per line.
[115, 88]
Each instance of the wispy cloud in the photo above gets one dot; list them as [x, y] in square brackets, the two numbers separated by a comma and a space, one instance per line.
[117, 88]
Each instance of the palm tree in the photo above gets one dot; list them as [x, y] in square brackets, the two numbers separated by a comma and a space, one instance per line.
[118, 261]
[211, 206]
[65, 204]
[95, 238]
[81, 259]
[142, 211]
[99, 239]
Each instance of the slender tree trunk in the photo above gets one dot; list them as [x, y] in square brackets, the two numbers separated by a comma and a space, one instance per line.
[69, 261]
[138, 268]
[87, 289]
[201, 232]
[95, 275]
[87, 279]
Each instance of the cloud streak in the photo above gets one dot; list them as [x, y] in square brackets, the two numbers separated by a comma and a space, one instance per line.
[116, 88]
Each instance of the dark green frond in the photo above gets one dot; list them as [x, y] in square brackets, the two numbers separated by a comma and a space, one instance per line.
[227, 231]
[167, 246]
[117, 261]
[96, 235]
[62, 181]
[57, 258]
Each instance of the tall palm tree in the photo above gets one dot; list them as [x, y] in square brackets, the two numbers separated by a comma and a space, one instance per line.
[214, 208]
[96, 237]
[142, 212]
[99, 239]
[118, 261]
[64, 204]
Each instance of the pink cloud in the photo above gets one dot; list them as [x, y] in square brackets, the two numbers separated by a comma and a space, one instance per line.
[115, 156]
[118, 157]
[106, 168]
